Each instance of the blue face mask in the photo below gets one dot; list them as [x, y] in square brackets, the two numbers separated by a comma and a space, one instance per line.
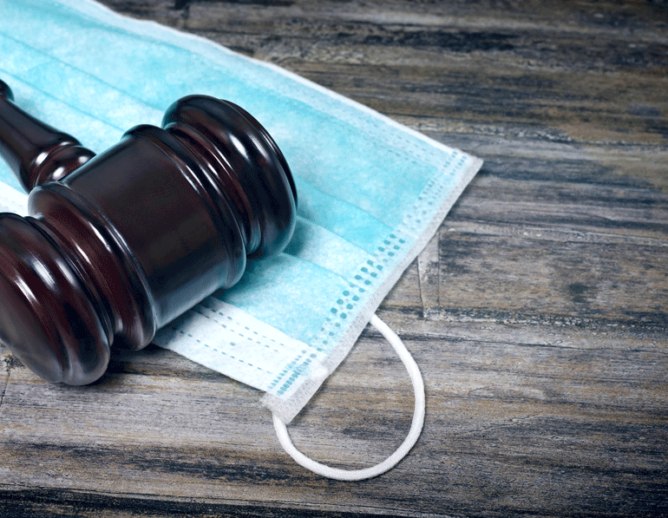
[371, 192]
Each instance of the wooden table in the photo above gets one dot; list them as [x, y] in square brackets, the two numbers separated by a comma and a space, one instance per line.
[538, 313]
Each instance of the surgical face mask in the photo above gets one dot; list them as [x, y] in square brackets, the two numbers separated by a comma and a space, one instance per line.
[371, 192]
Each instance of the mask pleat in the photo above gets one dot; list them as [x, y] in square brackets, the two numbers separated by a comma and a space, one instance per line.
[287, 293]
[310, 240]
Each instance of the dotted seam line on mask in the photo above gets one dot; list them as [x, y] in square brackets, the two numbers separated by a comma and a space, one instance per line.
[233, 330]
[190, 335]
[371, 272]
[296, 372]
[289, 368]
[388, 252]
[392, 246]
[328, 331]
[222, 314]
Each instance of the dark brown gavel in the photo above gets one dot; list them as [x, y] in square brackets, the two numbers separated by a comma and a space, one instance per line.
[119, 244]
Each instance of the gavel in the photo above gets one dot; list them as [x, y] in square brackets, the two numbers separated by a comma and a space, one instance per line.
[119, 244]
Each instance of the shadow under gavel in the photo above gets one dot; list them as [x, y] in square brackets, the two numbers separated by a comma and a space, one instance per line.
[119, 244]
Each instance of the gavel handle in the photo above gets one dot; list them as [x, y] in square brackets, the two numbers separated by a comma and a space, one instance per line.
[35, 151]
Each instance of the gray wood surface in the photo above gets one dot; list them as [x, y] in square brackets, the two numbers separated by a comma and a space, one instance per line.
[538, 313]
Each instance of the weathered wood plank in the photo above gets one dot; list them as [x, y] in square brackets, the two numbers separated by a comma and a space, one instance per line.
[538, 313]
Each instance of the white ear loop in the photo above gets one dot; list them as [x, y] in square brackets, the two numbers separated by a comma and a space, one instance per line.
[402, 451]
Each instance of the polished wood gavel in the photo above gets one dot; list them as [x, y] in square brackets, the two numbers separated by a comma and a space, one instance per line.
[119, 244]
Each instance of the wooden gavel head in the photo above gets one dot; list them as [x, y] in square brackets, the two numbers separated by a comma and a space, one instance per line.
[119, 244]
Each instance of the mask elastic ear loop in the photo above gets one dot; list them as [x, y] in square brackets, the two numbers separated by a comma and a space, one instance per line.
[402, 451]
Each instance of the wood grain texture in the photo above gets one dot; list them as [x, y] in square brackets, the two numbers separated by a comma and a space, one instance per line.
[538, 313]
